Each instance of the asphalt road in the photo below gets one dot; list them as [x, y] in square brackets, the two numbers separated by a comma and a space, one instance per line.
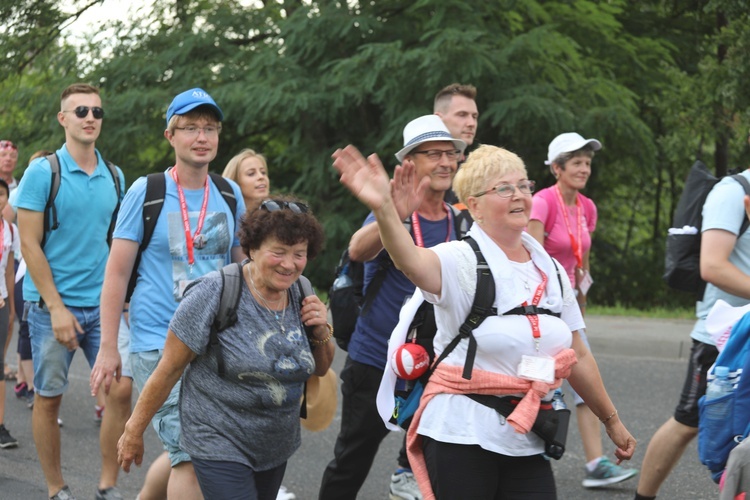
[642, 362]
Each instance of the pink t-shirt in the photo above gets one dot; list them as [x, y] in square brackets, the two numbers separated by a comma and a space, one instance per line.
[557, 240]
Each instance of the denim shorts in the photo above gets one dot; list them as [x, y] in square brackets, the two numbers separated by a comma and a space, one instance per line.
[51, 358]
[166, 422]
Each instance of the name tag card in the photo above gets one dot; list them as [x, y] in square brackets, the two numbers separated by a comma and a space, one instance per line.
[537, 368]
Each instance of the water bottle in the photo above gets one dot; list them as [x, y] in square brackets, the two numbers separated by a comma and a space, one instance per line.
[720, 385]
[555, 447]
[558, 403]
[343, 280]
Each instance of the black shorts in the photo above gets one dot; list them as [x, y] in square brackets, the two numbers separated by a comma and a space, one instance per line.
[702, 356]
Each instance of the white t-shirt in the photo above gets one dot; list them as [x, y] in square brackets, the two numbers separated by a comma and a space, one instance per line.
[501, 340]
[11, 243]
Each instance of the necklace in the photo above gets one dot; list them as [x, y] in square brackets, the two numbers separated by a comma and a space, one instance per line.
[281, 303]
[522, 271]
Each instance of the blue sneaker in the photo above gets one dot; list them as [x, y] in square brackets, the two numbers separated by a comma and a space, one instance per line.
[607, 473]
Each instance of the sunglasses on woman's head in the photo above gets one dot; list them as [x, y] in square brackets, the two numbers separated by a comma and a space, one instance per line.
[83, 112]
[276, 205]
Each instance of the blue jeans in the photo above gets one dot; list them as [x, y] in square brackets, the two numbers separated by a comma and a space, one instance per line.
[51, 358]
[166, 422]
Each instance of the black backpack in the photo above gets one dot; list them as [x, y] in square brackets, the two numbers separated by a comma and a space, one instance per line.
[683, 253]
[226, 316]
[156, 188]
[422, 331]
[51, 211]
[345, 298]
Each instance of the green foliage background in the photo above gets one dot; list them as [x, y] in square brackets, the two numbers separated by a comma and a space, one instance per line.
[660, 83]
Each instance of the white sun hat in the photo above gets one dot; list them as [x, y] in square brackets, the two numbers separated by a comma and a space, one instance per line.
[425, 129]
[565, 143]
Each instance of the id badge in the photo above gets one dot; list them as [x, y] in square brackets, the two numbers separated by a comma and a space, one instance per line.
[586, 282]
[537, 368]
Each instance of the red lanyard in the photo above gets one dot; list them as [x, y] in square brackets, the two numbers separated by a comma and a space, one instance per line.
[577, 246]
[533, 318]
[186, 219]
[418, 238]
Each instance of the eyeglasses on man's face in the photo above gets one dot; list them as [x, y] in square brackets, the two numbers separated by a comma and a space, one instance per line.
[506, 190]
[436, 154]
[276, 205]
[192, 131]
[83, 112]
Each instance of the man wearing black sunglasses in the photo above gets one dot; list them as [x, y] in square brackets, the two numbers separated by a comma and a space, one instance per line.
[195, 233]
[67, 270]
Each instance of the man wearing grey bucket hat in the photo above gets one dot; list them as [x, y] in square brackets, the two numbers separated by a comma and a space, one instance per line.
[429, 146]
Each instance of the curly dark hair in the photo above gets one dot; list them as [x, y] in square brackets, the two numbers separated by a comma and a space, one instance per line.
[287, 226]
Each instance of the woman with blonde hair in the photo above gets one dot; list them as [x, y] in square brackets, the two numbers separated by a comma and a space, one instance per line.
[458, 447]
[250, 171]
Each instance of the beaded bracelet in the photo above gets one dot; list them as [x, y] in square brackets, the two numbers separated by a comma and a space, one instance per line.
[605, 420]
[315, 342]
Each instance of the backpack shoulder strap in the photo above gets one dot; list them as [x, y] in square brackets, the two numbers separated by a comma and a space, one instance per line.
[305, 289]
[229, 302]
[461, 221]
[156, 188]
[226, 192]
[54, 187]
[118, 190]
[481, 308]
[746, 186]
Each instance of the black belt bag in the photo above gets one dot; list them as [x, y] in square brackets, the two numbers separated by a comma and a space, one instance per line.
[551, 425]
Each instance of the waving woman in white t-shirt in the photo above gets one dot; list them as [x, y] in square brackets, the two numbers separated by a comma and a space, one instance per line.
[458, 447]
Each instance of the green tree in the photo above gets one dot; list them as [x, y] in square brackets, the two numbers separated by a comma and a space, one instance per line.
[658, 82]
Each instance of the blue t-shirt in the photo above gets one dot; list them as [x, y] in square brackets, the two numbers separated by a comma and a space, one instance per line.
[724, 209]
[369, 342]
[164, 270]
[77, 250]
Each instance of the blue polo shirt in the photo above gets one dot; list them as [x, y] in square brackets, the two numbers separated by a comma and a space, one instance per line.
[77, 250]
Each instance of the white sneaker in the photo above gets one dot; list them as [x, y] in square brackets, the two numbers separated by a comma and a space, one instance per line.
[404, 487]
[285, 494]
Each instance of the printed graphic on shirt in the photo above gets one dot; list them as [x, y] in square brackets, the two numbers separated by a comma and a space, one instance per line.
[211, 256]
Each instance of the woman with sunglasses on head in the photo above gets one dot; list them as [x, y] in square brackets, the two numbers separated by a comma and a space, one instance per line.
[250, 171]
[240, 429]
[458, 446]
[562, 219]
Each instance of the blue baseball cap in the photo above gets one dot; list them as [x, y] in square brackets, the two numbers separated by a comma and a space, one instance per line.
[189, 100]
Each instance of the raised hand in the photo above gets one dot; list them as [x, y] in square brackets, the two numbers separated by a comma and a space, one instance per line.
[407, 190]
[365, 178]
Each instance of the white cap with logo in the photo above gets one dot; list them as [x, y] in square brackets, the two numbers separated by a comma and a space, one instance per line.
[565, 143]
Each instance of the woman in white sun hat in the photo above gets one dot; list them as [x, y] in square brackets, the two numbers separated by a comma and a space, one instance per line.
[562, 219]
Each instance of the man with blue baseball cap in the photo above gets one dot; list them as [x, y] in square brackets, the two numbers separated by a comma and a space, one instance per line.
[194, 234]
